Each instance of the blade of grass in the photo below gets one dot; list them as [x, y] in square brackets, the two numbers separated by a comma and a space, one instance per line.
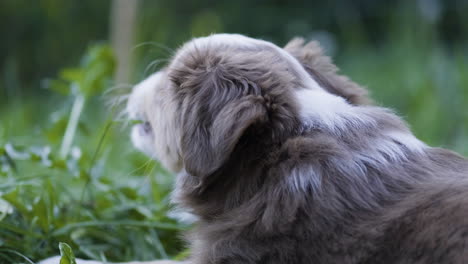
[165, 226]
[70, 131]
[14, 252]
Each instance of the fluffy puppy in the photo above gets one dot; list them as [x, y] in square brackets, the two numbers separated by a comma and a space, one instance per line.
[283, 161]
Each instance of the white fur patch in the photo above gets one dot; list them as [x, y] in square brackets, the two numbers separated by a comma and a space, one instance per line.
[319, 108]
[141, 95]
[151, 101]
[408, 140]
[139, 99]
[324, 110]
[392, 146]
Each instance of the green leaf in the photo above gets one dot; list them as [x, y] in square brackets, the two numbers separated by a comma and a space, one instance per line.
[13, 197]
[72, 75]
[58, 86]
[98, 67]
[40, 207]
[66, 253]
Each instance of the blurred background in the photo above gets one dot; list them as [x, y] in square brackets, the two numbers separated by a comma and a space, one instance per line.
[68, 172]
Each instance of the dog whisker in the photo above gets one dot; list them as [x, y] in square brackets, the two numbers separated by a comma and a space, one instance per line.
[153, 65]
[163, 47]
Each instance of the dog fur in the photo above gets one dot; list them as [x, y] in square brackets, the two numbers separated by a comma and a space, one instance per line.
[282, 160]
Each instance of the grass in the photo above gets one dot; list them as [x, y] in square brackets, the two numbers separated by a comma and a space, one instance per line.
[93, 192]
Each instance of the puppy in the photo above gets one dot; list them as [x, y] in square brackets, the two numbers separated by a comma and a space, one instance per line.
[282, 160]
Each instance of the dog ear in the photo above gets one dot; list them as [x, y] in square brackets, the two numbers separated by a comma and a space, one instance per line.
[219, 105]
[322, 69]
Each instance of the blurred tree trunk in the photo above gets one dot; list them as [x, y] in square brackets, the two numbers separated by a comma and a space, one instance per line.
[123, 21]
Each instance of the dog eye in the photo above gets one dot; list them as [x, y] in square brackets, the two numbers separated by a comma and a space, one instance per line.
[146, 127]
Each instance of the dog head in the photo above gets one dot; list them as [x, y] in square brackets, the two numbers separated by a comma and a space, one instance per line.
[223, 93]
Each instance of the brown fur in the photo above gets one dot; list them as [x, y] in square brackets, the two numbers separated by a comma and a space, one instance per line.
[242, 142]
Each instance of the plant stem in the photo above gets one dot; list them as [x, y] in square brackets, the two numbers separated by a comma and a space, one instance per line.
[72, 125]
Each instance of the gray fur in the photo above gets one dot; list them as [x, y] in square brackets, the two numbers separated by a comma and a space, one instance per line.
[311, 56]
[242, 145]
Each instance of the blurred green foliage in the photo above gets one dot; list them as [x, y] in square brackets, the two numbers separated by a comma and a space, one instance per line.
[110, 202]
[105, 204]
